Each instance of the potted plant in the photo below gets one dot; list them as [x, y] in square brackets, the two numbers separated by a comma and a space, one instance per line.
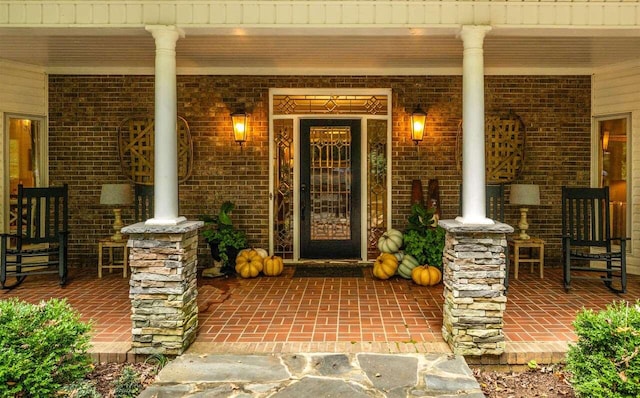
[224, 240]
[423, 238]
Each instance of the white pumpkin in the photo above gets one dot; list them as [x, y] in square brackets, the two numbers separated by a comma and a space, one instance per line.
[390, 241]
[262, 252]
[399, 255]
[407, 265]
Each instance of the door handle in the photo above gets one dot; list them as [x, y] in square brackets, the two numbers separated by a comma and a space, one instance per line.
[303, 203]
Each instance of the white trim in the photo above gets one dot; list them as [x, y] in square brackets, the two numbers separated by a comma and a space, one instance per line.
[596, 166]
[634, 63]
[4, 63]
[363, 184]
[317, 13]
[296, 157]
[42, 151]
[271, 196]
[355, 71]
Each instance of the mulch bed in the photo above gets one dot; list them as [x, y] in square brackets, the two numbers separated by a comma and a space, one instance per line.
[548, 382]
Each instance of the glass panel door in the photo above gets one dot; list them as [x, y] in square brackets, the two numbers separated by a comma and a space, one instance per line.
[614, 163]
[23, 163]
[330, 188]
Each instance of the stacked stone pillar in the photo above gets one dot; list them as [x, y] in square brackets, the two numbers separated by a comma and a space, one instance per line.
[474, 269]
[163, 286]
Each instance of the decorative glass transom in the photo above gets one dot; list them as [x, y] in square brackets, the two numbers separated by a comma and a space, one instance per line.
[329, 104]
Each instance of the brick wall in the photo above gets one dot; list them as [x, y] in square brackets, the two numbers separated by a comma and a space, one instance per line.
[85, 112]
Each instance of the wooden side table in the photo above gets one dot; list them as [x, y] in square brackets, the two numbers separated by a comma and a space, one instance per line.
[112, 262]
[535, 253]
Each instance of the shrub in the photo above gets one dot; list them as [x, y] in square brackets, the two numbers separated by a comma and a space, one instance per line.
[423, 239]
[605, 362]
[42, 347]
[128, 384]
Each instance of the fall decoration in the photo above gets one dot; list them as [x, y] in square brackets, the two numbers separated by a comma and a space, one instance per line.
[390, 241]
[273, 266]
[426, 275]
[249, 264]
[262, 252]
[385, 266]
[407, 264]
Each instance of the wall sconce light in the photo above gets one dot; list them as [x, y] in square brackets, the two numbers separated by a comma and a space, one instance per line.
[418, 122]
[239, 120]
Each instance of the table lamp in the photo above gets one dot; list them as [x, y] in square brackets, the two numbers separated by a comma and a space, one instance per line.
[116, 195]
[524, 195]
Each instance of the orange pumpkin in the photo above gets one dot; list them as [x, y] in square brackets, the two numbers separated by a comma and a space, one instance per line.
[385, 266]
[426, 275]
[273, 266]
[248, 264]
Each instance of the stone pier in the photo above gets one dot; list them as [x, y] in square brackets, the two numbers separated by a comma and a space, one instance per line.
[474, 269]
[163, 288]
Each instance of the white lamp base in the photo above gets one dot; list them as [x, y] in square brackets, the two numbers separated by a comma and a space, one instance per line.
[117, 225]
[523, 225]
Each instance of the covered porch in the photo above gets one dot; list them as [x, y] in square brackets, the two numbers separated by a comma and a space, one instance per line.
[295, 314]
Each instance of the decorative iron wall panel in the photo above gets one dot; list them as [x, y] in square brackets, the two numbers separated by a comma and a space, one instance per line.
[505, 137]
[136, 137]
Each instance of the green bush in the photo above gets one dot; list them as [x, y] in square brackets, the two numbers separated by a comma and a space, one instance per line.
[128, 384]
[423, 239]
[42, 347]
[605, 362]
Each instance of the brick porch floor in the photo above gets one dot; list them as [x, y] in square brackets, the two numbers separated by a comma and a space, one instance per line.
[287, 314]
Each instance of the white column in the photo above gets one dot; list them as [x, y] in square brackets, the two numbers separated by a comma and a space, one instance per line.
[165, 178]
[473, 150]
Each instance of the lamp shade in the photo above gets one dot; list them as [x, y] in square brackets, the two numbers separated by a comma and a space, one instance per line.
[525, 194]
[116, 194]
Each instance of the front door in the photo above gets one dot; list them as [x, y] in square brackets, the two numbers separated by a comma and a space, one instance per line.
[330, 188]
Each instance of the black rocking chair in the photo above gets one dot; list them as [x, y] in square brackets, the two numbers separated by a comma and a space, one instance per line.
[143, 202]
[39, 244]
[586, 237]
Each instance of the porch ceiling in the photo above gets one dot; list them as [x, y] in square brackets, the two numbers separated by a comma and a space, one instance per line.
[314, 52]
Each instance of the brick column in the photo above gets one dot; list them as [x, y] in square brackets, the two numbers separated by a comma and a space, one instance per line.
[474, 266]
[163, 287]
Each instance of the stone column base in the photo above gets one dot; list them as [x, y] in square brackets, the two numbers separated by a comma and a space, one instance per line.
[474, 266]
[163, 286]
